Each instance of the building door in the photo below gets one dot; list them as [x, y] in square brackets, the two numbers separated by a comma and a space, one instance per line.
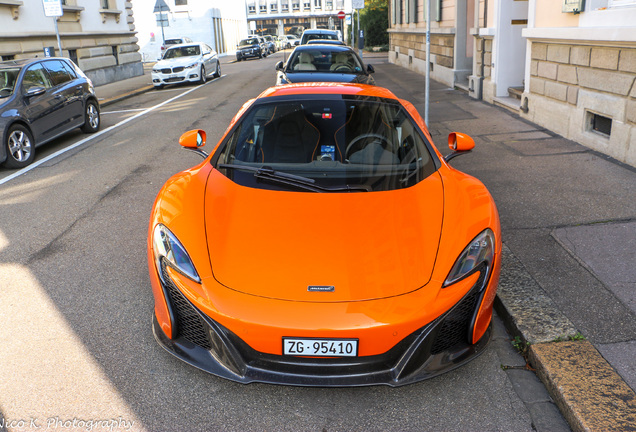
[509, 51]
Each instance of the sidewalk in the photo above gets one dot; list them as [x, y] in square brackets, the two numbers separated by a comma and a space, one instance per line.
[568, 282]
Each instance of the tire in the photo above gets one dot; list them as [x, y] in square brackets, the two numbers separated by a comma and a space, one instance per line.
[20, 147]
[217, 72]
[92, 121]
[260, 54]
[202, 76]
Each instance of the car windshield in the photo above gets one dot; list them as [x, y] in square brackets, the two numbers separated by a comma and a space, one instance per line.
[250, 41]
[327, 36]
[8, 78]
[324, 60]
[333, 143]
[185, 51]
[173, 41]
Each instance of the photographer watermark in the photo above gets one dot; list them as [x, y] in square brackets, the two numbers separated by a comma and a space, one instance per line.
[58, 423]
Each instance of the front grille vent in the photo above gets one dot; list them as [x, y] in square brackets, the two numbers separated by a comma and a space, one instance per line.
[189, 324]
[454, 328]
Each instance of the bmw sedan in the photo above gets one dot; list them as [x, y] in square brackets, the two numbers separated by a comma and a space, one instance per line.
[323, 63]
[41, 99]
[324, 241]
[192, 62]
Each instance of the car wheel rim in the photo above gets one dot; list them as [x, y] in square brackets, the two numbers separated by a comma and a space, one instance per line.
[19, 146]
[93, 116]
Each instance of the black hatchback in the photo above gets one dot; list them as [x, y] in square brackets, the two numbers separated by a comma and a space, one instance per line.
[41, 99]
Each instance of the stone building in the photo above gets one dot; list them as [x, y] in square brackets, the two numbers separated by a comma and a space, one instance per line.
[98, 35]
[279, 17]
[567, 65]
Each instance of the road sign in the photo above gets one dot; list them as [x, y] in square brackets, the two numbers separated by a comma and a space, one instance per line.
[53, 8]
[341, 15]
[358, 4]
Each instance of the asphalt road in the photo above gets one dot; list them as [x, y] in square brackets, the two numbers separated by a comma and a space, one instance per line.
[77, 351]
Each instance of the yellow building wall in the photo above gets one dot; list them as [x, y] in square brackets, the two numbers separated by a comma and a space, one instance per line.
[549, 14]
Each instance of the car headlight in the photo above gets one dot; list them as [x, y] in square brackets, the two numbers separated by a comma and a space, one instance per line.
[156, 70]
[480, 250]
[165, 245]
[193, 65]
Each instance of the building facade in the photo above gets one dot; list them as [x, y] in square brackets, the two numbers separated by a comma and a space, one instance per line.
[567, 65]
[218, 23]
[279, 17]
[97, 35]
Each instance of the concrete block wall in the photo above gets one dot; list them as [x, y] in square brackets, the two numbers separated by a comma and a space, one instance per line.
[572, 82]
[409, 50]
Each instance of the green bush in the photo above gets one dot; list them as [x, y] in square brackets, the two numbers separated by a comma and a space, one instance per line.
[374, 19]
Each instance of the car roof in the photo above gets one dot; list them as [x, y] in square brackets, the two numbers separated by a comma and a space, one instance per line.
[320, 31]
[332, 47]
[25, 62]
[325, 42]
[185, 44]
[330, 88]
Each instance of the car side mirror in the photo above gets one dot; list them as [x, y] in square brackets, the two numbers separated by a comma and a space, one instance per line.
[192, 140]
[460, 144]
[35, 91]
[370, 69]
[279, 66]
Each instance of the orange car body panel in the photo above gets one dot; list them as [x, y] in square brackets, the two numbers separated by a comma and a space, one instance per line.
[396, 286]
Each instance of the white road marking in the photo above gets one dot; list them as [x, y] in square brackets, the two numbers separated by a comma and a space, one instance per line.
[98, 134]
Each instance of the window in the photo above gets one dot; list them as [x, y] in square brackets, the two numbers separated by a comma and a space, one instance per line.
[284, 6]
[115, 54]
[35, 76]
[317, 4]
[307, 5]
[72, 54]
[273, 6]
[295, 5]
[105, 4]
[599, 124]
[180, 2]
[263, 8]
[59, 71]
[251, 7]
[329, 4]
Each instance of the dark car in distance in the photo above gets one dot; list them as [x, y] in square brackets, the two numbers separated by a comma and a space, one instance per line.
[323, 63]
[253, 46]
[41, 99]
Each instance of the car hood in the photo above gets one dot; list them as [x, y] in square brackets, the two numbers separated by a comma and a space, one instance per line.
[176, 62]
[302, 77]
[366, 245]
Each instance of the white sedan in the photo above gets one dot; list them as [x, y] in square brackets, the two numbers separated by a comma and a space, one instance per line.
[191, 62]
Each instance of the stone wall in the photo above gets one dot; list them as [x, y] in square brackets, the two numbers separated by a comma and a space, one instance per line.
[408, 49]
[570, 83]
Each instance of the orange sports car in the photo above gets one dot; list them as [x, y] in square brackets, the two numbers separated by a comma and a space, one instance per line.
[324, 241]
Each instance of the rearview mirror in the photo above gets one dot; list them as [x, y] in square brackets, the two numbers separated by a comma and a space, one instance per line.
[192, 140]
[279, 66]
[370, 69]
[460, 144]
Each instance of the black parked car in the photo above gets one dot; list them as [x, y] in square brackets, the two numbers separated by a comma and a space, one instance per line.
[324, 63]
[41, 99]
[253, 46]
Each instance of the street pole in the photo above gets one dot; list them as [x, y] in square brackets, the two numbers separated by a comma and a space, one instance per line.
[57, 33]
[163, 37]
[359, 33]
[428, 61]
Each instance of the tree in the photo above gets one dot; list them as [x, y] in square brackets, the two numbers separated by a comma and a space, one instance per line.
[374, 19]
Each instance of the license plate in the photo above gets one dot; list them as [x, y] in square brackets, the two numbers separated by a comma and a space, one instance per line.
[320, 347]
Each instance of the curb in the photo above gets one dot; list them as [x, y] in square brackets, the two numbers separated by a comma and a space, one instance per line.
[591, 395]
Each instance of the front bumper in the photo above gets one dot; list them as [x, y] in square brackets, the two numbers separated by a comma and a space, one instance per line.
[251, 52]
[437, 347]
[176, 75]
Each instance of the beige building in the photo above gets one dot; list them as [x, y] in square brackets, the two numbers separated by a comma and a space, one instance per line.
[98, 35]
[567, 65]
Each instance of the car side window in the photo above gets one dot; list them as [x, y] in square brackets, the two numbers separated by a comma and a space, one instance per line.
[35, 76]
[59, 74]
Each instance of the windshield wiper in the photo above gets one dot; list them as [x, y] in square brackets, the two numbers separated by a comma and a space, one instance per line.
[268, 173]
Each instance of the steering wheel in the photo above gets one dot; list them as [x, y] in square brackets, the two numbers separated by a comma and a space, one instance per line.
[384, 142]
[342, 68]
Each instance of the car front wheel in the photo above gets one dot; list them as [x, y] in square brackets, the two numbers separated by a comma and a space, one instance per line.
[202, 76]
[91, 118]
[20, 147]
[217, 73]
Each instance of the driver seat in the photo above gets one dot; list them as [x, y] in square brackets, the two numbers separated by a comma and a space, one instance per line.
[341, 59]
[304, 62]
